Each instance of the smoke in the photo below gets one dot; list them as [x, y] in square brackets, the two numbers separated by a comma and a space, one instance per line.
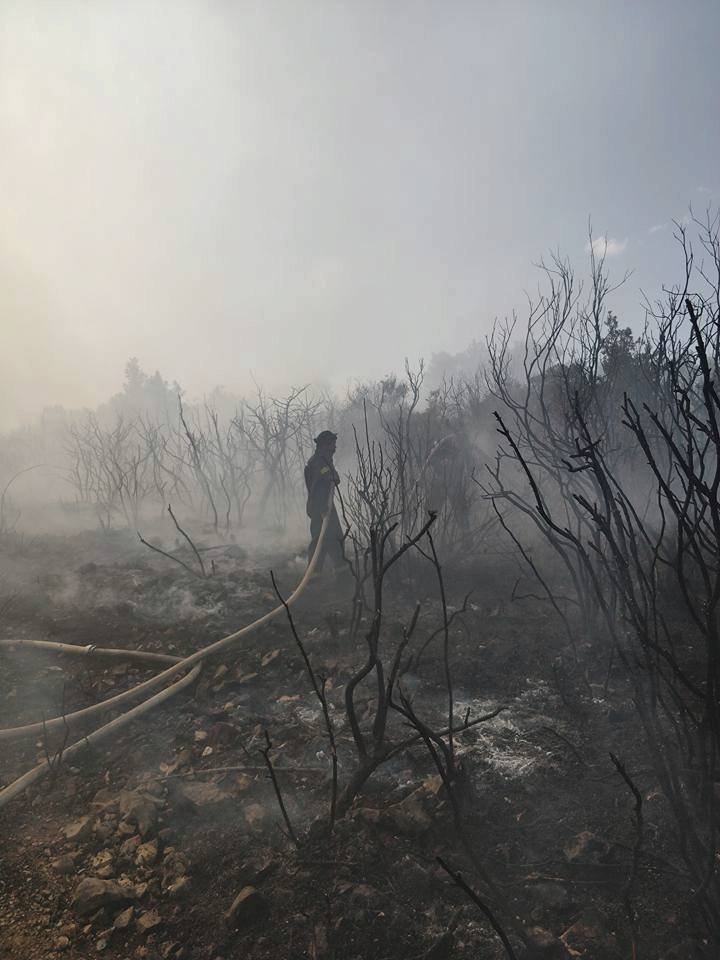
[303, 192]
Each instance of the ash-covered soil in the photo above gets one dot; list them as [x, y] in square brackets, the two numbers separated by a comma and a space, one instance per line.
[169, 842]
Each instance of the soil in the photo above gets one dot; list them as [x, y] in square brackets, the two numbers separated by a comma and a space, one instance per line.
[543, 816]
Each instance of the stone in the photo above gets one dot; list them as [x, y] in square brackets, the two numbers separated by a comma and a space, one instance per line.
[92, 894]
[248, 905]
[103, 831]
[64, 865]
[146, 854]
[255, 815]
[410, 816]
[177, 888]
[123, 919]
[174, 865]
[543, 945]
[101, 859]
[128, 848]
[255, 873]
[147, 921]
[589, 936]
[62, 943]
[369, 815]
[155, 788]
[80, 831]
[586, 848]
[143, 812]
[105, 800]
[202, 794]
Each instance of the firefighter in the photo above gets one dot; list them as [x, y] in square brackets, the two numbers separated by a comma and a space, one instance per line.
[320, 476]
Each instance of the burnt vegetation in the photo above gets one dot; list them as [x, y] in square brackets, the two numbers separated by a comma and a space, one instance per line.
[494, 733]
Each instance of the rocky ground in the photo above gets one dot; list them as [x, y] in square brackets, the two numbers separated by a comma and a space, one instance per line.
[169, 842]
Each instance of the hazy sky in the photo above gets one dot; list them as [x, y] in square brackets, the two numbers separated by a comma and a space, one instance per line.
[314, 189]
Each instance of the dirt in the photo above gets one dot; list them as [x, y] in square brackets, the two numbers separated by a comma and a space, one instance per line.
[209, 869]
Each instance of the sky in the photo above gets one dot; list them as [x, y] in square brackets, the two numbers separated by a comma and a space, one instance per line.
[312, 190]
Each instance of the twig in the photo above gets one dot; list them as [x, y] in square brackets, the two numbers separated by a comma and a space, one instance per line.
[319, 690]
[630, 882]
[459, 882]
[192, 545]
[278, 793]
[247, 768]
[168, 555]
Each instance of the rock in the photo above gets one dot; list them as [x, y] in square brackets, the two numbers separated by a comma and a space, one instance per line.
[179, 887]
[147, 921]
[92, 894]
[105, 800]
[144, 812]
[80, 831]
[410, 816]
[253, 874]
[155, 788]
[586, 848]
[101, 859]
[255, 815]
[174, 865]
[64, 865]
[169, 949]
[128, 848]
[154, 888]
[369, 815]
[99, 919]
[62, 943]
[181, 803]
[199, 795]
[248, 905]
[146, 854]
[123, 919]
[103, 831]
[543, 945]
[589, 936]
[101, 944]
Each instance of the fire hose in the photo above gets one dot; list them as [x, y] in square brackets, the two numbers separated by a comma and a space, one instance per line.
[192, 663]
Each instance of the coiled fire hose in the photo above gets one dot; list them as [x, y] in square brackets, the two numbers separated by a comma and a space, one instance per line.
[179, 665]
